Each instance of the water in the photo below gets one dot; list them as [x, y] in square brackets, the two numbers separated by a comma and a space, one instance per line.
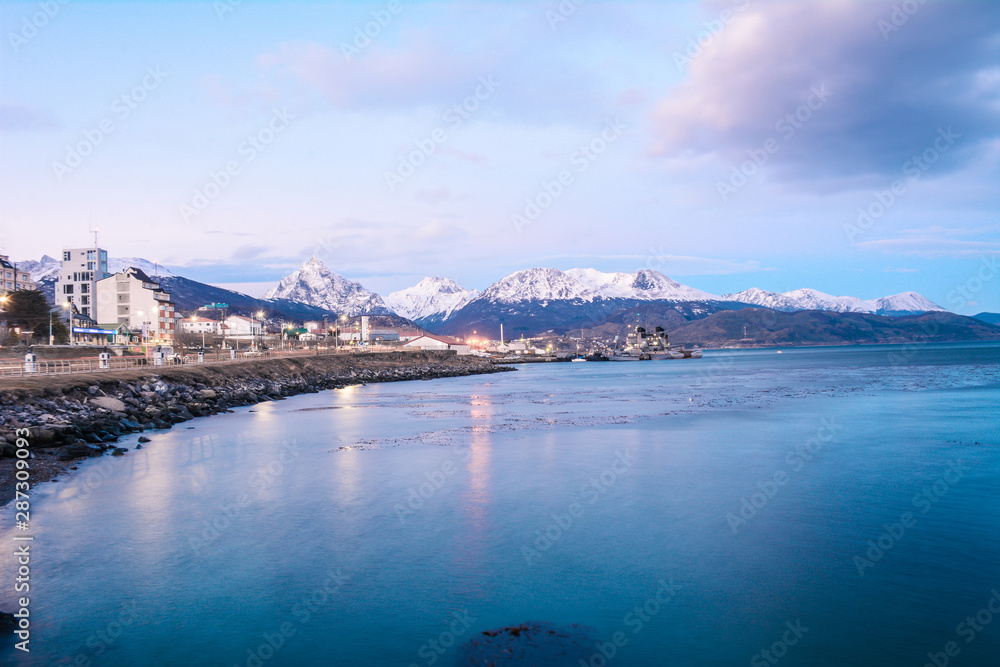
[390, 524]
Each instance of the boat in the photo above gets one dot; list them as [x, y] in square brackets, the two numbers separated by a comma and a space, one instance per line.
[578, 359]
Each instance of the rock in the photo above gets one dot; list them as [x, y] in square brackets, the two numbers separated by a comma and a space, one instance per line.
[131, 425]
[7, 450]
[7, 623]
[143, 438]
[93, 389]
[117, 452]
[108, 403]
[79, 450]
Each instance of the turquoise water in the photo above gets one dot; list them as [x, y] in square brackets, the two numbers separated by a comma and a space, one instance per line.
[390, 524]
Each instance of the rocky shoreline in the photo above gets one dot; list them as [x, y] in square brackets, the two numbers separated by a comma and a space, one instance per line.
[70, 417]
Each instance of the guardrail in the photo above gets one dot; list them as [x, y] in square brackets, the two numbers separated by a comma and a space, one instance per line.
[93, 365]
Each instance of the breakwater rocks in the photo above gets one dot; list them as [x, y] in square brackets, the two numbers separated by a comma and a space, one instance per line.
[73, 416]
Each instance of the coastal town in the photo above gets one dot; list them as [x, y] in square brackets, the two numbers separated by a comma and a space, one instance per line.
[129, 312]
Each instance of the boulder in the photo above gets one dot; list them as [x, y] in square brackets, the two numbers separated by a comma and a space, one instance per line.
[108, 403]
[143, 438]
[76, 451]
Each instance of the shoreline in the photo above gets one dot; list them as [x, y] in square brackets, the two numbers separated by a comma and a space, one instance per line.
[72, 417]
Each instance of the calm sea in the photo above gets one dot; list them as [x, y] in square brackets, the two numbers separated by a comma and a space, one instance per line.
[824, 506]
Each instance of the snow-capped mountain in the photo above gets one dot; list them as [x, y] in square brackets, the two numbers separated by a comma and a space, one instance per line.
[589, 284]
[904, 303]
[536, 285]
[644, 284]
[47, 268]
[316, 285]
[431, 299]
[151, 269]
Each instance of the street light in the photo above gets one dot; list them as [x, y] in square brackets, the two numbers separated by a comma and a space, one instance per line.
[260, 316]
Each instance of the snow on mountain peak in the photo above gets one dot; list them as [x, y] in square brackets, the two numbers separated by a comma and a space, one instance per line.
[435, 297]
[810, 299]
[316, 285]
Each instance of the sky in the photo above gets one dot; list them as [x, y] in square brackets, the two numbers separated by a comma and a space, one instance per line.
[846, 146]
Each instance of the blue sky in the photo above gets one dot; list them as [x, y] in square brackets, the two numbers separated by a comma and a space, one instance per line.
[231, 141]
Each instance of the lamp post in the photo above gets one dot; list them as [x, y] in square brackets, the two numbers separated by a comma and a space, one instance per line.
[260, 317]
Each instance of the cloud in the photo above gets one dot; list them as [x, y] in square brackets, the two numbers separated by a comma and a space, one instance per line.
[933, 247]
[16, 117]
[888, 96]
[245, 252]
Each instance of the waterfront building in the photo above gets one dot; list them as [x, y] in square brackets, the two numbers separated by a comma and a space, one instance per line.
[132, 298]
[77, 279]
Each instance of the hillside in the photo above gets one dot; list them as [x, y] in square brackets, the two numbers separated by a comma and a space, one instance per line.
[770, 328]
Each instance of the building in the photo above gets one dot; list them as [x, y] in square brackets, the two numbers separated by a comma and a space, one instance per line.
[383, 335]
[242, 328]
[428, 342]
[134, 299]
[13, 278]
[77, 279]
[200, 325]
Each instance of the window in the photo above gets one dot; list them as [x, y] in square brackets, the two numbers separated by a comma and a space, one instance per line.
[66, 256]
[85, 299]
[91, 254]
[84, 288]
[86, 311]
[67, 289]
[90, 266]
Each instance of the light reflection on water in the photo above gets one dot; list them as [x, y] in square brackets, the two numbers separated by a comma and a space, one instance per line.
[522, 447]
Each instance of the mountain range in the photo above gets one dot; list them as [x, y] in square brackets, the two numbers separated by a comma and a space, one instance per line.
[526, 302]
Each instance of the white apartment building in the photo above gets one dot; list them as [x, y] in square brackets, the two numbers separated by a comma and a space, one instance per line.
[200, 325]
[77, 279]
[13, 278]
[242, 328]
[134, 299]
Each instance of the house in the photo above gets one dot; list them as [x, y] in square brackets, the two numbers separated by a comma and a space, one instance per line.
[200, 325]
[77, 280]
[239, 327]
[132, 298]
[13, 278]
[429, 342]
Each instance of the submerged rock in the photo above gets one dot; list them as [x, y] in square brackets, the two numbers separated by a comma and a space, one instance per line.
[530, 643]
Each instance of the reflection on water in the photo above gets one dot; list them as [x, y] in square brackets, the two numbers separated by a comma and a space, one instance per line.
[422, 494]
